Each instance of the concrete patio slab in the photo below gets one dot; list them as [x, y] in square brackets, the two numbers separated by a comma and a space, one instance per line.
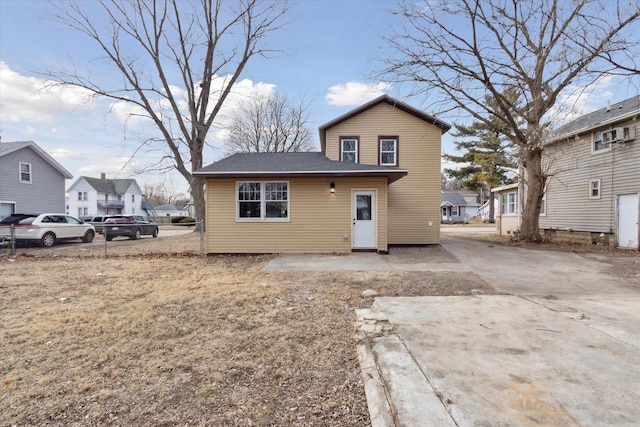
[507, 360]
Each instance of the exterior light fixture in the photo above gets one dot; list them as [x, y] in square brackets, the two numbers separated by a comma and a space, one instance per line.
[333, 187]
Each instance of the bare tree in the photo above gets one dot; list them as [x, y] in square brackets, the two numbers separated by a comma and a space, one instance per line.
[269, 124]
[461, 51]
[176, 61]
[161, 193]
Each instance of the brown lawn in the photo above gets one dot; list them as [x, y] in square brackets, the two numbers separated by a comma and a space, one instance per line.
[155, 335]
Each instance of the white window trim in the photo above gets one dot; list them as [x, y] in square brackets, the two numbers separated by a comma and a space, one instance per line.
[395, 152]
[593, 143]
[455, 212]
[599, 196]
[503, 207]
[30, 181]
[356, 150]
[263, 202]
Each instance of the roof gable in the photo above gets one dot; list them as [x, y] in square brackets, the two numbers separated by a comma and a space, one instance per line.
[10, 147]
[379, 100]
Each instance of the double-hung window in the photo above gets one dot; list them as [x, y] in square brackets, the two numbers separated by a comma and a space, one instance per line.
[601, 141]
[510, 203]
[263, 201]
[594, 189]
[349, 149]
[25, 173]
[388, 151]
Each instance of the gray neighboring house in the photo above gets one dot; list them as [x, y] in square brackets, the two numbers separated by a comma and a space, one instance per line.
[31, 181]
[458, 206]
[594, 187]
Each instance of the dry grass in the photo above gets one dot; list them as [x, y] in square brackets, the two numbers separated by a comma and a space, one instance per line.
[154, 335]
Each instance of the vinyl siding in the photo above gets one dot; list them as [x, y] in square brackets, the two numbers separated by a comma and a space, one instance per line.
[45, 193]
[573, 166]
[414, 200]
[318, 220]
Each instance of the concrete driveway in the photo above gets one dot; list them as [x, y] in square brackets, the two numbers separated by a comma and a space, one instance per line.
[561, 347]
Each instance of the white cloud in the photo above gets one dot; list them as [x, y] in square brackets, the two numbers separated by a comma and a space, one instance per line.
[576, 101]
[113, 167]
[31, 99]
[355, 93]
[65, 153]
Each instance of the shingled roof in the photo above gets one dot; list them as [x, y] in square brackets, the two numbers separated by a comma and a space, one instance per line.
[110, 186]
[290, 165]
[604, 116]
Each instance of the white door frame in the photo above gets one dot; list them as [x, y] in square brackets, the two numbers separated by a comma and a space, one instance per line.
[364, 233]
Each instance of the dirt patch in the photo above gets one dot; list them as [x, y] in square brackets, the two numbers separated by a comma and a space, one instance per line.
[155, 335]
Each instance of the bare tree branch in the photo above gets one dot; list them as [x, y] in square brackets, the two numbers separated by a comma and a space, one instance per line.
[460, 52]
[178, 61]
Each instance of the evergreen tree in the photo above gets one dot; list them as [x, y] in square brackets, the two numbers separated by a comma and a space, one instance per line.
[487, 158]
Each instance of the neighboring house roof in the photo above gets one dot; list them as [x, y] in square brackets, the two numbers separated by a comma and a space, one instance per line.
[455, 199]
[167, 207]
[608, 115]
[504, 187]
[109, 186]
[313, 164]
[10, 147]
[389, 100]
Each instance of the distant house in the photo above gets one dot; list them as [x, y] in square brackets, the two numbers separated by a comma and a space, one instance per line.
[375, 183]
[458, 206]
[170, 210]
[93, 196]
[593, 191]
[508, 209]
[31, 181]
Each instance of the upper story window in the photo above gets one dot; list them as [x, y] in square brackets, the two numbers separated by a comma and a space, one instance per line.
[594, 189]
[133, 198]
[601, 141]
[263, 201]
[510, 203]
[349, 149]
[388, 150]
[83, 195]
[25, 173]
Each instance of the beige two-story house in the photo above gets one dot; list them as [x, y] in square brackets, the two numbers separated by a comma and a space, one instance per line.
[375, 183]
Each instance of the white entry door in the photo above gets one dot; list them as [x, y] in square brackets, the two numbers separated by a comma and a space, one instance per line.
[628, 221]
[364, 220]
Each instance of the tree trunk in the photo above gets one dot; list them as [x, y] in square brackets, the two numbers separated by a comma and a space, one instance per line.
[534, 191]
[492, 208]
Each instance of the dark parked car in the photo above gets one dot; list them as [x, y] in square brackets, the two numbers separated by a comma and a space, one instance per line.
[131, 226]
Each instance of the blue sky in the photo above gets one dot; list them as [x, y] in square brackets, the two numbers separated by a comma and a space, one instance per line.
[330, 47]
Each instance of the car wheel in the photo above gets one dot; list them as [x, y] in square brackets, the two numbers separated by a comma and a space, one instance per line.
[88, 236]
[155, 232]
[109, 238]
[136, 235]
[48, 239]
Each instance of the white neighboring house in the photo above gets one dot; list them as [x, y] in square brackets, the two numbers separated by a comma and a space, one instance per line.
[93, 196]
[170, 210]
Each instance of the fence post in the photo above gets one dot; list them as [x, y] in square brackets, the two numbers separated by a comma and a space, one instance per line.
[200, 226]
[12, 230]
[104, 234]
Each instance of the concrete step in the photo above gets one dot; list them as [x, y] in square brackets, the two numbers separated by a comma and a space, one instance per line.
[398, 393]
